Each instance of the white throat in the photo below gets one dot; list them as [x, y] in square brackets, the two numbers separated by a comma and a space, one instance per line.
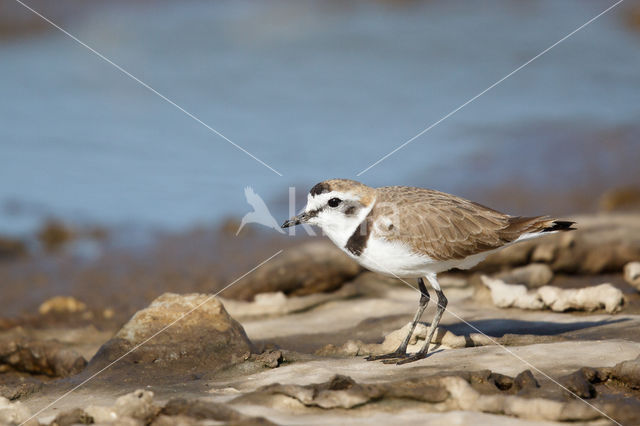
[340, 228]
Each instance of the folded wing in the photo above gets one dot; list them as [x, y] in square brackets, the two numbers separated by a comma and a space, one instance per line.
[446, 227]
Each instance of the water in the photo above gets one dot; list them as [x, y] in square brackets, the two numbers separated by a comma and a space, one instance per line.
[314, 89]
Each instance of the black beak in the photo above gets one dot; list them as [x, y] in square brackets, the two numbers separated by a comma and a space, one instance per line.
[296, 220]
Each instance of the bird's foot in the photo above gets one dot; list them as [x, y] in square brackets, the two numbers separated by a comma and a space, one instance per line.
[398, 354]
[406, 358]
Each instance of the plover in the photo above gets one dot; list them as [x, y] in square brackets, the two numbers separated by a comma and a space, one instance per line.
[409, 232]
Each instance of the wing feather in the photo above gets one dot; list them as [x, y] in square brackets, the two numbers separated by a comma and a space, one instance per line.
[443, 226]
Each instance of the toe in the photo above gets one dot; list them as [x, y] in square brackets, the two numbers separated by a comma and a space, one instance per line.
[412, 358]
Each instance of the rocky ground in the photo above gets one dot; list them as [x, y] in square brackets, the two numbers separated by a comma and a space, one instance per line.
[542, 332]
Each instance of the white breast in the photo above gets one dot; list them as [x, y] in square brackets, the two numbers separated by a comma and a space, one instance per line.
[393, 258]
[397, 259]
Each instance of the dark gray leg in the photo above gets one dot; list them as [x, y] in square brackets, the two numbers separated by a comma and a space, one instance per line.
[402, 349]
[442, 305]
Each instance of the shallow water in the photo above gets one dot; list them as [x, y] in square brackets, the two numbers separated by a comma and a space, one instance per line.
[316, 90]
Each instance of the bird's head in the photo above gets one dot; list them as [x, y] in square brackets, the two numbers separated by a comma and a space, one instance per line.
[337, 206]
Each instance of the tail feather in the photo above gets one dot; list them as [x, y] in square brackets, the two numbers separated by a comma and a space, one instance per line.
[520, 228]
[559, 225]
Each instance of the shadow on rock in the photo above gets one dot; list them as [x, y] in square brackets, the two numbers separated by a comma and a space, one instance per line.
[502, 327]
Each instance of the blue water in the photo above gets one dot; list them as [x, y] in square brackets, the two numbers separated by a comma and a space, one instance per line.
[315, 89]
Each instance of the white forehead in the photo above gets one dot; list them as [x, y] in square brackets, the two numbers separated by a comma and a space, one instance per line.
[320, 200]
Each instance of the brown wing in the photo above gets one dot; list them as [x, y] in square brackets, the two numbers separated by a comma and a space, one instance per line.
[444, 226]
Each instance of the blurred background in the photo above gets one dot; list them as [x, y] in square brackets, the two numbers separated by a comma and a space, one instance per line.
[109, 192]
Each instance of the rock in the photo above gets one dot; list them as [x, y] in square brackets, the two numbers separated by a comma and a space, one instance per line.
[54, 234]
[580, 382]
[603, 258]
[61, 305]
[515, 255]
[206, 410]
[11, 248]
[279, 304]
[532, 275]
[632, 274]
[628, 373]
[441, 337]
[313, 267]
[585, 299]
[624, 198]
[467, 398]
[181, 331]
[136, 405]
[510, 295]
[73, 417]
[525, 380]
[470, 391]
[41, 357]
[350, 348]
[557, 299]
[13, 413]
[602, 243]
[178, 420]
[269, 358]
[20, 388]
[544, 253]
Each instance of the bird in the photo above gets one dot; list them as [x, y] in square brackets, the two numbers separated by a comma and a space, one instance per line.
[260, 213]
[410, 232]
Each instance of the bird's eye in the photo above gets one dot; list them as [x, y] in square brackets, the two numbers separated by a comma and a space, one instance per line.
[334, 202]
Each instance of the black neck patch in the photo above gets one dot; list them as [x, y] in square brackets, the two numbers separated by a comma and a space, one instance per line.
[357, 242]
[320, 188]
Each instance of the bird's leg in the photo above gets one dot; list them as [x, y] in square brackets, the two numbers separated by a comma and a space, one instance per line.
[402, 349]
[442, 305]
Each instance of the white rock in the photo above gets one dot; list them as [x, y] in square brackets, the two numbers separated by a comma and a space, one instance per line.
[532, 275]
[558, 299]
[632, 274]
[12, 412]
[583, 299]
[136, 405]
[61, 304]
[510, 295]
[277, 303]
[392, 340]
[101, 414]
[466, 398]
